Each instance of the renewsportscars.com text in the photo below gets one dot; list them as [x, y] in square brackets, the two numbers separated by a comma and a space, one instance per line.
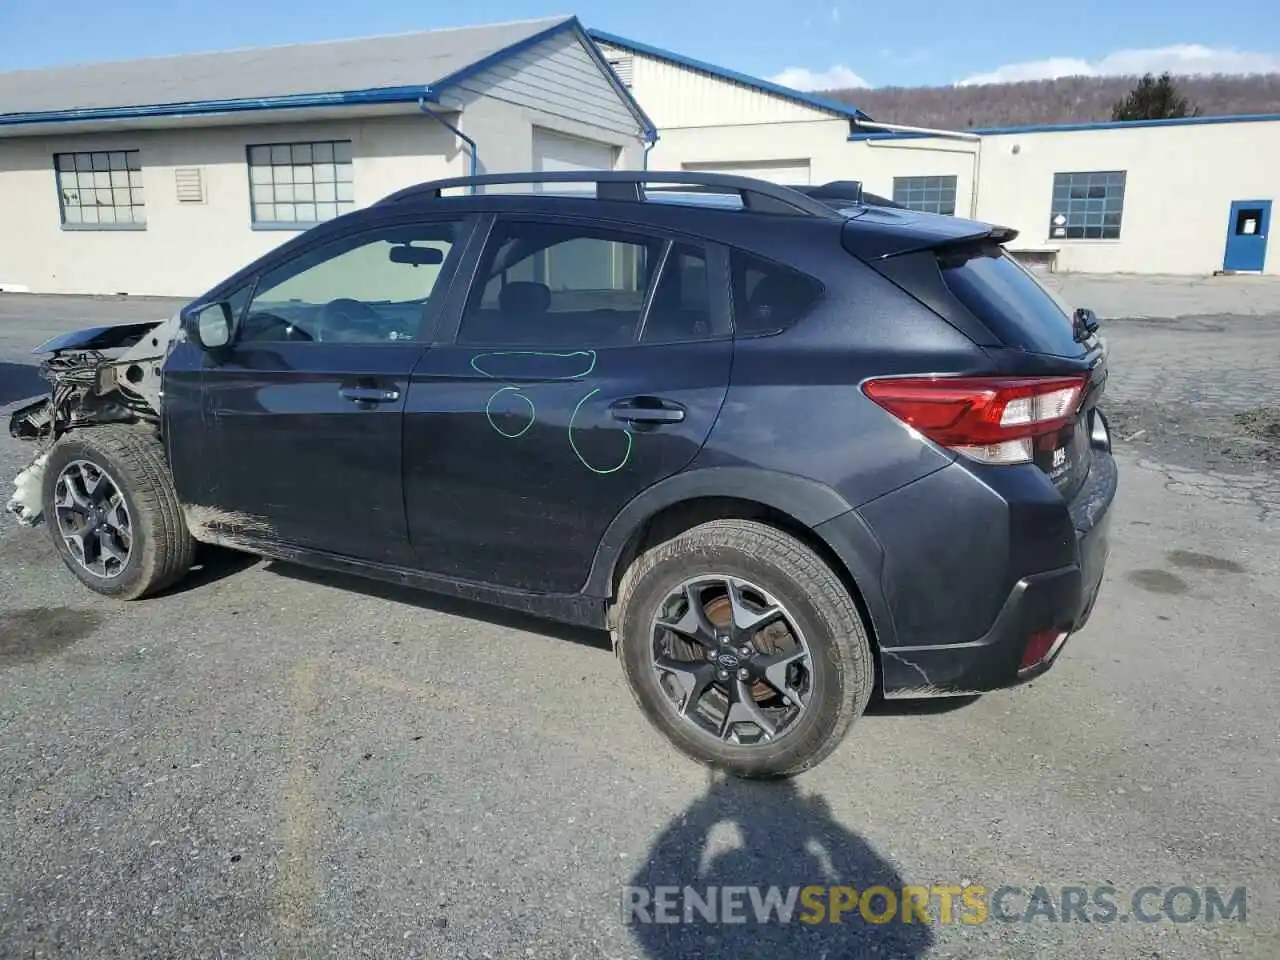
[970, 904]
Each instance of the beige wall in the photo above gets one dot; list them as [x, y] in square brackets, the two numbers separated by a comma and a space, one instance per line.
[823, 143]
[1180, 182]
[188, 247]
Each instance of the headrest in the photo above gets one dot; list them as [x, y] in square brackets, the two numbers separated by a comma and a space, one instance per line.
[524, 296]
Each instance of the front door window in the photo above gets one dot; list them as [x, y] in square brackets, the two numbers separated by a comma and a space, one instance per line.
[373, 287]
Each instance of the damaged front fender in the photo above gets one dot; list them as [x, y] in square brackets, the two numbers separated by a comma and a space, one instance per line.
[31, 420]
[98, 375]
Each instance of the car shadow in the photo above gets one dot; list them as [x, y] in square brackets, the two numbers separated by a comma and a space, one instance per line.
[440, 603]
[921, 707]
[757, 836]
[212, 564]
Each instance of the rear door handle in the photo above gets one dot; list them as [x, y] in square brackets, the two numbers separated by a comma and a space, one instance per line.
[369, 395]
[647, 410]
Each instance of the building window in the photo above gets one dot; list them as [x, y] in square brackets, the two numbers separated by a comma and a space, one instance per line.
[1087, 206]
[100, 190]
[300, 183]
[926, 194]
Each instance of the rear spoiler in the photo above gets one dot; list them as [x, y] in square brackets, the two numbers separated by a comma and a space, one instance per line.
[877, 233]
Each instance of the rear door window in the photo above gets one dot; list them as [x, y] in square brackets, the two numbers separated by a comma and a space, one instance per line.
[1012, 303]
[549, 284]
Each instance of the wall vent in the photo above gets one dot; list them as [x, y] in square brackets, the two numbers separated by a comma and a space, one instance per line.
[624, 66]
[190, 184]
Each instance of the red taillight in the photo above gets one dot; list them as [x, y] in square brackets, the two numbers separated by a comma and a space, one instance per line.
[992, 419]
[1039, 646]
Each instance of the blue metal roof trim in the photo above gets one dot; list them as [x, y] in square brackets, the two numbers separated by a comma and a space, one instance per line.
[808, 99]
[570, 23]
[202, 107]
[1075, 127]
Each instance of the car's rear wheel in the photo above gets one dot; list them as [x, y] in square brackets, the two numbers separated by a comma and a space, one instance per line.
[743, 647]
[112, 511]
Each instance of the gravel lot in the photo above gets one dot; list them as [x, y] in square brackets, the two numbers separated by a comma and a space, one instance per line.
[271, 762]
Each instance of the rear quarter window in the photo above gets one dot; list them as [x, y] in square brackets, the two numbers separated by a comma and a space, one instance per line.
[768, 297]
[1012, 303]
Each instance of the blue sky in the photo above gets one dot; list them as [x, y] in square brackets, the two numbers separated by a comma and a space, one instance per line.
[820, 42]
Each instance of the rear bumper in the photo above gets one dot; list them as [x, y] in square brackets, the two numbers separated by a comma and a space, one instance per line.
[1059, 599]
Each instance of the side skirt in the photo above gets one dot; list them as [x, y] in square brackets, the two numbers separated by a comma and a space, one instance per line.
[571, 608]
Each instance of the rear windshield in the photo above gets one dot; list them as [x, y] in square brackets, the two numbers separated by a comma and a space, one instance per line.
[1013, 304]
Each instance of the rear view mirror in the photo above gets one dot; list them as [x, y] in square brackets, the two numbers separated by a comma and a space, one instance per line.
[209, 325]
[417, 256]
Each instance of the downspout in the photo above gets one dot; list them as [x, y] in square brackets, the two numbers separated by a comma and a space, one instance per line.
[471, 144]
[973, 138]
[651, 141]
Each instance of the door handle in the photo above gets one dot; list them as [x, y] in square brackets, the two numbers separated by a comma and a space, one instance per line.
[647, 410]
[369, 395]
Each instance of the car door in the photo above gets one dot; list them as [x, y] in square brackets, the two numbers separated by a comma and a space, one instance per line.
[302, 414]
[589, 362]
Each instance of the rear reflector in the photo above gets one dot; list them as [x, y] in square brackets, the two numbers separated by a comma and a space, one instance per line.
[991, 419]
[1039, 647]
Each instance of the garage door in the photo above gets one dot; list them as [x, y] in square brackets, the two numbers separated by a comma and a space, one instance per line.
[790, 172]
[555, 151]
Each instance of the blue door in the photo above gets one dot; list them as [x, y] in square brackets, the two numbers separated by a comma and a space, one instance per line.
[1247, 235]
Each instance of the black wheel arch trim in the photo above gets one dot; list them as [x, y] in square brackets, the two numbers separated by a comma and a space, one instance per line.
[821, 509]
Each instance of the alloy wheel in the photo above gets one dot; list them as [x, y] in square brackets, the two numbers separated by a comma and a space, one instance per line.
[731, 660]
[93, 518]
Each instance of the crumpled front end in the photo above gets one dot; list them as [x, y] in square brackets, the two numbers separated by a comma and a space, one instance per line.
[96, 376]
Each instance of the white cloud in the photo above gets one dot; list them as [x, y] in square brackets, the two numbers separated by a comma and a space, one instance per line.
[835, 14]
[801, 78]
[1182, 58]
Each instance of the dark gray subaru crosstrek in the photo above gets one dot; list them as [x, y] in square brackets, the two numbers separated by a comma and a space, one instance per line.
[786, 444]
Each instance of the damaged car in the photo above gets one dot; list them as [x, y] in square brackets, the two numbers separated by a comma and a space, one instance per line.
[788, 445]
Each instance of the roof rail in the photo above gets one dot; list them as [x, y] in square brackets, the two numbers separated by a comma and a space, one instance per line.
[759, 196]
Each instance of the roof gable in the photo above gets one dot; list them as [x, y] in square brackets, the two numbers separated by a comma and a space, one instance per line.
[834, 107]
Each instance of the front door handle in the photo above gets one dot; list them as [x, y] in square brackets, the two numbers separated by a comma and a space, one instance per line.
[647, 410]
[369, 395]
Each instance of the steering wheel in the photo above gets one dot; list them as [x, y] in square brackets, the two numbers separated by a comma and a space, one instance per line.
[348, 320]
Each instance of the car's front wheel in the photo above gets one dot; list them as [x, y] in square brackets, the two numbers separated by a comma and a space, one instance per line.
[743, 647]
[113, 514]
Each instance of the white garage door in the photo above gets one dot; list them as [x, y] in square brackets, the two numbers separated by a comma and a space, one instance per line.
[789, 172]
[555, 151]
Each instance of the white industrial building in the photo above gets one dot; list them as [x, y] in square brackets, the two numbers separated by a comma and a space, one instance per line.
[1189, 196]
[162, 176]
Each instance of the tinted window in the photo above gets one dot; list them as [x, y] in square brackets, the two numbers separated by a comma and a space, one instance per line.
[681, 308]
[370, 287]
[768, 297]
[1010, 301]
[559, 285]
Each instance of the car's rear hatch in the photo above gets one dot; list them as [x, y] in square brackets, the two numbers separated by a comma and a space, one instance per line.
[961, 269]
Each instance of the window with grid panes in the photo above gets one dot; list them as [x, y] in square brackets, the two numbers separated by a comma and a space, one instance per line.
[1087, 206]
[300, 183]
[926, 194]
[100, 189]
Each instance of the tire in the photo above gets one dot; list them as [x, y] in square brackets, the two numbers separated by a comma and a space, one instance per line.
[132, 457]
[839, 652]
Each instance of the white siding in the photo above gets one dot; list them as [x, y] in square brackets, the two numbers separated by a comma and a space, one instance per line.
[675, 96]
[557, 77]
